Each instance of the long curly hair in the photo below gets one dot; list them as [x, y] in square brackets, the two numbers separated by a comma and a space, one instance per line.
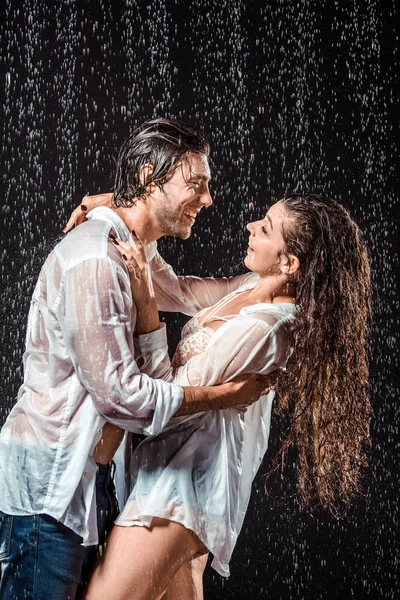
[324, 393]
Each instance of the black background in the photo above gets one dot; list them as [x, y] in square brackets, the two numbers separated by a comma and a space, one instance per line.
[294, 96]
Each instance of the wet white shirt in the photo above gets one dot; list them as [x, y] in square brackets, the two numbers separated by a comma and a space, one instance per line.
[199, 470]
[79, 372]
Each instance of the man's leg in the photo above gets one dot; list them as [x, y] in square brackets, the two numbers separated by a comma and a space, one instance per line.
[107, 512]
[40, 559]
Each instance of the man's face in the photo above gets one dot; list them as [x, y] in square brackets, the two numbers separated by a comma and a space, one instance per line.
[177, 205]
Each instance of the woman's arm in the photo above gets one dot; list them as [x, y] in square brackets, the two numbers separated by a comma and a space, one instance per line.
[190, 294]
[147, 318]
[174, 293]
[78, 215]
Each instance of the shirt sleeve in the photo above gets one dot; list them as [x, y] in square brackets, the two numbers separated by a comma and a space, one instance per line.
[190, 294]
[245, 344]
[96, 321]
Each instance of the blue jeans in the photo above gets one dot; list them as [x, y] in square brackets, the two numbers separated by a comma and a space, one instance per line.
[42, 559]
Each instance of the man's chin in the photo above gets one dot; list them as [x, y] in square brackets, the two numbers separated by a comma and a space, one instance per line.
[184, 233]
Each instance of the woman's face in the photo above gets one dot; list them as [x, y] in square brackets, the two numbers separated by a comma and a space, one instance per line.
[266, 243]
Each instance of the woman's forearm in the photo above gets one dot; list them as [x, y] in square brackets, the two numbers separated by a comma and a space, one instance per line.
[147, 318]
[108, 445]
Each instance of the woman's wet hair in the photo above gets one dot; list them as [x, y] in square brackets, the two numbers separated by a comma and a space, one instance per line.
[325, 392]
[163, 143]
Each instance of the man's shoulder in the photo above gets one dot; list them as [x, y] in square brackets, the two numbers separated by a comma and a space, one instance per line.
[85, 242]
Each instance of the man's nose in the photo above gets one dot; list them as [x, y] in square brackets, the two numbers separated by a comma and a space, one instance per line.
[206, 199]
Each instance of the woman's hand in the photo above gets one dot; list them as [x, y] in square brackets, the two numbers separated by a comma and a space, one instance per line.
[141, 284]
[78, 215]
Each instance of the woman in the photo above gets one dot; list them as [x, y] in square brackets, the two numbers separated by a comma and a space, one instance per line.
[309, 298]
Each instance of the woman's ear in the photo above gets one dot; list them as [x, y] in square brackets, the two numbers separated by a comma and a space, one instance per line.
[291, 265]
[145, 173]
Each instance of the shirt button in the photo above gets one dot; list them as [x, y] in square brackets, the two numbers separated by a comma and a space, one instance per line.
[146, 338]
[87, 475]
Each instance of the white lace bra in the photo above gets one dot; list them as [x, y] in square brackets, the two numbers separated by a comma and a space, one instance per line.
[194, 340]
[196, 336]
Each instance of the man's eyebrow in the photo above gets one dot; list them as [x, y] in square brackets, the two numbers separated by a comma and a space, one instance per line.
[202, 176]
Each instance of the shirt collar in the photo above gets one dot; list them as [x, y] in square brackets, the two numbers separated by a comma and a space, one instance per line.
[107, 214]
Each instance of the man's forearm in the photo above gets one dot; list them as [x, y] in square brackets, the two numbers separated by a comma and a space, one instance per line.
[200, 399]
[241, 391]
[203, 398]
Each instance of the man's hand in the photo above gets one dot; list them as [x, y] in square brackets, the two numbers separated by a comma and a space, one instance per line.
[78, 215]
[244, 390]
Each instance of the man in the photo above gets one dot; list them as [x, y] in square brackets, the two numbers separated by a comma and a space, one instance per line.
[80, 371]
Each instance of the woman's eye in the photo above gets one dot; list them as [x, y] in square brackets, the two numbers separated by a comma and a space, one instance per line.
[264, 230]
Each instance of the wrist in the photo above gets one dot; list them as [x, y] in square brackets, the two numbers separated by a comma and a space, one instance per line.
[203, 398]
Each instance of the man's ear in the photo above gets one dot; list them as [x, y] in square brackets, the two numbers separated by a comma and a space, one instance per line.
[290, 265]
[145, 173]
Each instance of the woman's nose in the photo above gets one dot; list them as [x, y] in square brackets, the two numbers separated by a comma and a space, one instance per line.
[250, 227]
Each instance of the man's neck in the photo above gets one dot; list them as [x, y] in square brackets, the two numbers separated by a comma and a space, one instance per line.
[138, 219]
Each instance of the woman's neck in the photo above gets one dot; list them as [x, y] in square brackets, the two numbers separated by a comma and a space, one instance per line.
[271, 289]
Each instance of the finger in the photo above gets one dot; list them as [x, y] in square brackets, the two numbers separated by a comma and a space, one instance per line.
[77, 217]
[140, 259]
[127, 253]
[120, 245]
[139, 244]
[119, 242]
[70, 223]
[127, 248]
[130, 262]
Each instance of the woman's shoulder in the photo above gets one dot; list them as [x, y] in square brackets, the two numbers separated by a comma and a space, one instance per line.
[248, 280]
[273, 315]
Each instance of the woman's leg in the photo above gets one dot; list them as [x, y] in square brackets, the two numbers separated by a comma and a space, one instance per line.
[198, 566]
[187, 583]
[181, 587]
[139, 563]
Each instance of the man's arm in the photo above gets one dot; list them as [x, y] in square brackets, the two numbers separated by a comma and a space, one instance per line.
[95, 321]
[95, 317]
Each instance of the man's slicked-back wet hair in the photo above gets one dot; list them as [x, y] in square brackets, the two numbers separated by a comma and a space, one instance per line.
[159, 142]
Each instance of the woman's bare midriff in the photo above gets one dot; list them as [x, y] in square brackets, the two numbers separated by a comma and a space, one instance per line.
[108, 445]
